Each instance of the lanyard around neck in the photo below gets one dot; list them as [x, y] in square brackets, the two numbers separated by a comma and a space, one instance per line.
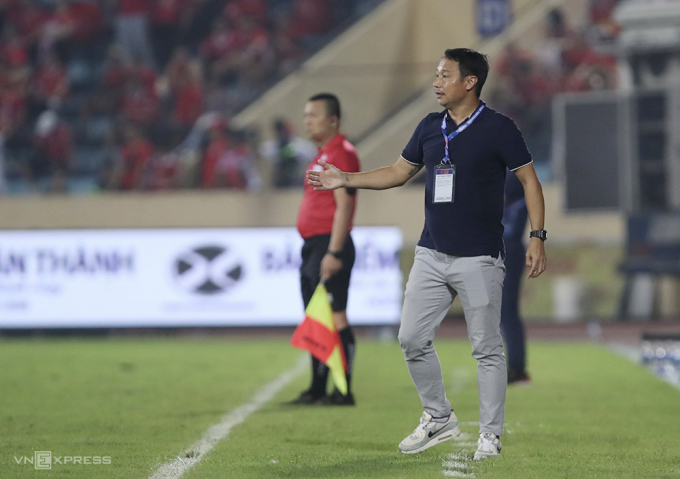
[460, 129]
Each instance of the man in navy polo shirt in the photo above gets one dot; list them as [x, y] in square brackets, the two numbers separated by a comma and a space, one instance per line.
[466, 149]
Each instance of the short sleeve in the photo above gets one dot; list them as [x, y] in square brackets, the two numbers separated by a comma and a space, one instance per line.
[337, 158]
[413, 152]
[512, 148]
[344, 158]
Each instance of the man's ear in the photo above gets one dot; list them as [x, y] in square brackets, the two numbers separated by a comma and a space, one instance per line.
[470, 82]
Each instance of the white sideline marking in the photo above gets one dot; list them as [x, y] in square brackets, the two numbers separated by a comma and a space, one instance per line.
[459, 457]
[192, 455]
[458, 474]
[459, 465]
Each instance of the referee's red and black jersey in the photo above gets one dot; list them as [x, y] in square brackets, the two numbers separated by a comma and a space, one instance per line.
[318, 207]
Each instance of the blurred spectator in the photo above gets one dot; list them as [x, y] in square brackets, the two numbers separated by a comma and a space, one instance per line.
[255, 60]
[558, 35]
[30, 17]
[188, 96]
[586, 69]
[138, 104]
[217, 49]
[216, 148]
[146, 75]
[181, 64]
[285, 48]
[3, 182]
[311, 18]
[14, 48]
[166, 16]
[522, 90]
[235, 169]
[602, 25]
[114, 77]
[131, 164]
[241, 54]
[52, 152]
[197, 16]
[88, 20]
[115, 70]
[12, 104]
[165, 168]
[191, 151]
[228, 161]
[50, 87]
[131, 26]
[255, 9]
[590, 77]
[57, 32]
[290, 155]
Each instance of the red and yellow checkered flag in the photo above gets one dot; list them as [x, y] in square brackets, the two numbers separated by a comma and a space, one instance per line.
[317, 334]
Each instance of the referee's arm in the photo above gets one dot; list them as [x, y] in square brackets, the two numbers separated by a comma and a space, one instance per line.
[344, 209]
[332, 178]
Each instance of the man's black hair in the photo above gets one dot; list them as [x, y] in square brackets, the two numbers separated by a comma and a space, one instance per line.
[470, 63]
[331, 101]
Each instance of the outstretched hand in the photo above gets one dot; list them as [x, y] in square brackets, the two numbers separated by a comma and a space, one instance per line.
[330, 178]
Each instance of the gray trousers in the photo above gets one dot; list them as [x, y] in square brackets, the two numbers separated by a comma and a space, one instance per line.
[433, 284]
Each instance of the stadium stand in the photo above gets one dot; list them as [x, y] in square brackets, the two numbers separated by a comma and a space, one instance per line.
[105, 68]
[100, 65]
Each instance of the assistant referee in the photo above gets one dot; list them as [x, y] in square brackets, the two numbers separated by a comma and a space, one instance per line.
[324, 222]
[467, 149]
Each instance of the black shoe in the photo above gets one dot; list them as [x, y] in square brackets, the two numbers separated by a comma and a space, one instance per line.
[306, 398]
[336, 398]
[519, 379]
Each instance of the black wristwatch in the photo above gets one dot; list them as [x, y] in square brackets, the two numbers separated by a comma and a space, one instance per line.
[337, 254]
[540, 234]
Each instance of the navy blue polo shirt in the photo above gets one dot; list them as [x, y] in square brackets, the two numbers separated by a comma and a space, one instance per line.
[472, 224]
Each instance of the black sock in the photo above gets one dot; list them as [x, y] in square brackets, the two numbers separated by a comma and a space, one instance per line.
[319, 378]
[349, 346]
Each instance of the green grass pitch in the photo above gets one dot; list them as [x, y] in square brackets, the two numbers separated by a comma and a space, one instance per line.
[588, 414]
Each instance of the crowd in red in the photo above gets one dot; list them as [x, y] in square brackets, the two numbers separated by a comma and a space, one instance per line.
[567, 60]
[118, 91]
[116, 88]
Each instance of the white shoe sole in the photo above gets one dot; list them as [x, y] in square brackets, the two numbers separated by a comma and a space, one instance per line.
[447, 436]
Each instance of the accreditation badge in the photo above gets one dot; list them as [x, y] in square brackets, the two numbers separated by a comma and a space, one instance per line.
[444, 183]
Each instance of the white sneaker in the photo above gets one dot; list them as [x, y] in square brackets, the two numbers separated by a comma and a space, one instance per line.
[488, 445]
[430, 433]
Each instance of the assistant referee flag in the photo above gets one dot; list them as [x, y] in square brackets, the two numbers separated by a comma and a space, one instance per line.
[317, 334]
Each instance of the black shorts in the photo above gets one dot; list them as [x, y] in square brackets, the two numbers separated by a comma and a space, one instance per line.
[313, 251]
